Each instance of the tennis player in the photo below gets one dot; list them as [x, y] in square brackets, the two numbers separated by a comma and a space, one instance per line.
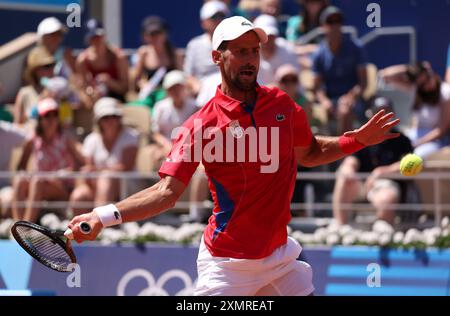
[245, 249]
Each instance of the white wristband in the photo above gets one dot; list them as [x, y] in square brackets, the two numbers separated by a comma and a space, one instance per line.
[109, 215]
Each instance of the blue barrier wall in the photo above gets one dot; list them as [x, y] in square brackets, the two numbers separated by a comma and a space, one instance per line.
[163, 269]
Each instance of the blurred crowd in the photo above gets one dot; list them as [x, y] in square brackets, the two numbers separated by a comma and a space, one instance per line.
[99, 110]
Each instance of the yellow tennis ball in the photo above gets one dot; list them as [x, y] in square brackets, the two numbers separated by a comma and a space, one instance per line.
[410, 165]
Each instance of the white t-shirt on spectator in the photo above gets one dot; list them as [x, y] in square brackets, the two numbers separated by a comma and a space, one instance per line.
[11, 136]
[208, 88]
[198, 61]
[284, 54]
[94, 148]
[166, 117]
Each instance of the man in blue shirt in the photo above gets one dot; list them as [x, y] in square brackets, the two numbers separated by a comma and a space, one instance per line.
[339, 67]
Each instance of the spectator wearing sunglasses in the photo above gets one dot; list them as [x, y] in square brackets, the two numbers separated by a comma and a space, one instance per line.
[431, 107]
[153, 60]
[40, 64]
[102, 68]
[51, 150]
[340, 75]
[198, 63]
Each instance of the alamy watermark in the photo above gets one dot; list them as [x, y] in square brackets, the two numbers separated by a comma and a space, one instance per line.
[252, 144]
[374, 277]
[374, 18]
[73, 19]
[73, 280]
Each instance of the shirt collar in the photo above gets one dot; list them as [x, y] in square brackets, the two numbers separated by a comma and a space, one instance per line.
[231, 104]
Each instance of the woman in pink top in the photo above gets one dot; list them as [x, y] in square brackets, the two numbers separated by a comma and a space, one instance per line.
[51, 150]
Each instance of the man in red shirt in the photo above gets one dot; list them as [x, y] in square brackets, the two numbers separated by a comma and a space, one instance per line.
[249, 139]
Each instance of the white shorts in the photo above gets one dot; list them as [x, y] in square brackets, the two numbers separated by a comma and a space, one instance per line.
[279, 274]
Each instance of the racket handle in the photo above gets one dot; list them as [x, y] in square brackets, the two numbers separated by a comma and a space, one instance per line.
[84, 227]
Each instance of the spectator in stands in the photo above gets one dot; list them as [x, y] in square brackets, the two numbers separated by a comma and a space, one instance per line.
[275, 52]
[198, 63]
[11, 136]
[40, 65]
[287, 79]
[274, 8]
[103, 68]
[112, 149]
[307, 20]
[153, 60]
[381, 161]
[171, 112]
[50, 150]
[431, 108]
[51, 35]
[339, 67]
[447, 75]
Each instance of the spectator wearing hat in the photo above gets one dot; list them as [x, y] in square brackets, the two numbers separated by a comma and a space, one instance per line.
[153, 60]
[113, 148]
[51, 35]
[40, 64]
[339, 67]
[103, 68]
[11, 136]
[198, 64]
[275, 52]
[381, 161]
[52, 150]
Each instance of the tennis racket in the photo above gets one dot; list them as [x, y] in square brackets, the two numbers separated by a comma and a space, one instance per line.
[50, 247]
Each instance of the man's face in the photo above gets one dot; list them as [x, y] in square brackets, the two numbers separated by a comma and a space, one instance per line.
[239, 63]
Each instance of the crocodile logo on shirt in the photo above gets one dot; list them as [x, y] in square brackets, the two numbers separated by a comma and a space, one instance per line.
[280, 117]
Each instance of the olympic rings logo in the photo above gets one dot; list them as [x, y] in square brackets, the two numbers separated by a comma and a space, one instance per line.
[156, 287]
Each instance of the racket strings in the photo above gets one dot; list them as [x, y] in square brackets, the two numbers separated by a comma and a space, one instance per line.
[44, 247]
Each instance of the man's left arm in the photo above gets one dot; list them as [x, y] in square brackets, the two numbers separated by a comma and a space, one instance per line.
[323, 150]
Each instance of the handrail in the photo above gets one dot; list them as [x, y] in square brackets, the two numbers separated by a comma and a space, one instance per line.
[395, 30]
[436, 177]
[318, 31]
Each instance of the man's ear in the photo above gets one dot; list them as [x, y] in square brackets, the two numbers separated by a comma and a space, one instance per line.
[217, 57]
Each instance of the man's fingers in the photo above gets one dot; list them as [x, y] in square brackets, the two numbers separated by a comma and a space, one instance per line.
[391, 124]
[392, 135]
[385, 118]
[377, 116]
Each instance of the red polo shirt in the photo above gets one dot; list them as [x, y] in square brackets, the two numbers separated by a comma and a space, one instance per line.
[251, 205]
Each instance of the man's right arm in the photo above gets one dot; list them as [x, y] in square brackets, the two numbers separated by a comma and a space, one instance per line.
[142, 205]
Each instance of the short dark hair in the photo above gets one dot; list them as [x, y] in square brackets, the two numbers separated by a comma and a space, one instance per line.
[223, 46]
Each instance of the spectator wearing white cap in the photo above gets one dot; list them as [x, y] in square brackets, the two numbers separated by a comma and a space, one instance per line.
[275, 52]
[198, 62]
[52, 150]
[113, 148]
[51, 35]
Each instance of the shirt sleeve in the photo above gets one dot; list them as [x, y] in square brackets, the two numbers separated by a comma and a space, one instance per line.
[301, 129]
[181, 162]
[156, 119]
[89, 146]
